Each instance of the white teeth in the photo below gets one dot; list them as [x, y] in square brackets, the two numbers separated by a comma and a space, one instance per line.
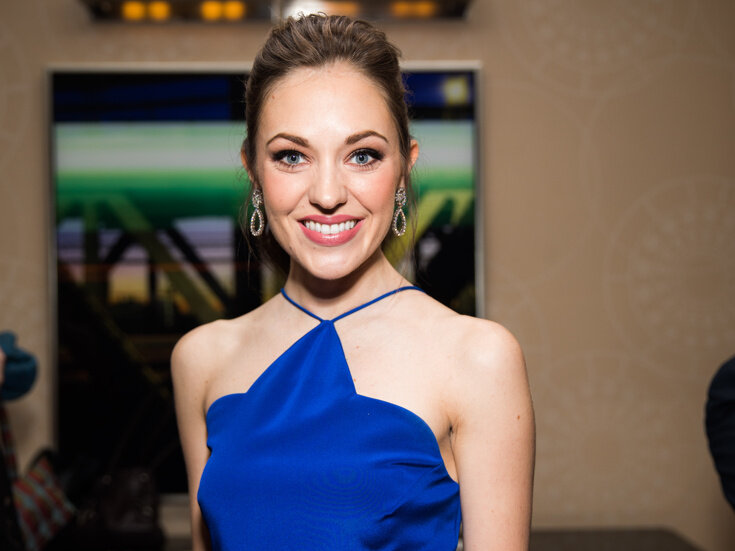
[330, 229]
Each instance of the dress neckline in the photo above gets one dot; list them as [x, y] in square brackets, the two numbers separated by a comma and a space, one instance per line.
[353, 310]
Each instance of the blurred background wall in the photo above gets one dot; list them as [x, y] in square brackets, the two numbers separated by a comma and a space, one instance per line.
[608, 156]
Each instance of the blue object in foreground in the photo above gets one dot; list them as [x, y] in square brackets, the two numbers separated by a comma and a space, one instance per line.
[20, 368]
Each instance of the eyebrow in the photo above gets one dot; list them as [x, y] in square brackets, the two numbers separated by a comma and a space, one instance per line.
[295, 139]
[354, 138]
[361, 135]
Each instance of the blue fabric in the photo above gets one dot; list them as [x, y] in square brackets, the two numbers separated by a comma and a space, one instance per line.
[20, 368]
[301, 461]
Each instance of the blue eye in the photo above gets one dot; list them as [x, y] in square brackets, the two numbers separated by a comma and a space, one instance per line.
[362, 158]
[293, 157]
[289, 157]
[365, 157]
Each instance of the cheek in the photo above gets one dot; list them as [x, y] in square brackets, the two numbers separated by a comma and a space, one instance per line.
[281, 194]
[378, 194]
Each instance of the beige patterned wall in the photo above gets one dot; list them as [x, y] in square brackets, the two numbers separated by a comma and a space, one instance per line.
[608, 149]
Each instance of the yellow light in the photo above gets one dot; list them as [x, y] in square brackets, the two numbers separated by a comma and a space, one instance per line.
[159, 11]
[401, 9]
[425, 9]
[211, 10]
[342, 8]
[456, 90]
[133, 11]
[234, 10]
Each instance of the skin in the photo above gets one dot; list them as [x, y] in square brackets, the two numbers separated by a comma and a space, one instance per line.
[342, 157]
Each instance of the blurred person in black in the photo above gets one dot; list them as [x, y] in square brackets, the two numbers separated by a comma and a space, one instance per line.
[720, 425]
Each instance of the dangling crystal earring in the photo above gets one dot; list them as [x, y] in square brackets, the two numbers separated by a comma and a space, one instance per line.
[257, 216]
[399, 218]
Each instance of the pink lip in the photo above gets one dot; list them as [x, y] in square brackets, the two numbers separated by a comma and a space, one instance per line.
[334, 239]
[322, 219]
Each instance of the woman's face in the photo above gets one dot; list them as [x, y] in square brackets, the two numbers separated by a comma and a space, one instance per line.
[328, 162]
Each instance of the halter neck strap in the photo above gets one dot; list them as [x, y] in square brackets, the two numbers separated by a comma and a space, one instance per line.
[353, 310]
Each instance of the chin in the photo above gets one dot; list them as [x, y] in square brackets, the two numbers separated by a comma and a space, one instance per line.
[333, 268]
[331, 273]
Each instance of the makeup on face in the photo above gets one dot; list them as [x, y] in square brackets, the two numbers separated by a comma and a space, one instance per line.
[329, 170]
[290, 151]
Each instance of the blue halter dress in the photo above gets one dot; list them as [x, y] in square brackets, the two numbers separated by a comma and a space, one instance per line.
[302, 462]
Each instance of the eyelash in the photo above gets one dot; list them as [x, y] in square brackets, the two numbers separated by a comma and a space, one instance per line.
[375, 155]
[279, 157]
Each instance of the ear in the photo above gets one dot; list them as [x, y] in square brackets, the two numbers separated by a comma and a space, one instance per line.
[413, 154]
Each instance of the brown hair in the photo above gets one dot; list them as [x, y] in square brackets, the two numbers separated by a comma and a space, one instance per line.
[317, 40]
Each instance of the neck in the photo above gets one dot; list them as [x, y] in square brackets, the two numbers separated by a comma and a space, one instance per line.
[374, 277]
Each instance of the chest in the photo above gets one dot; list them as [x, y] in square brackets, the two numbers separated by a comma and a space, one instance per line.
[385, 362]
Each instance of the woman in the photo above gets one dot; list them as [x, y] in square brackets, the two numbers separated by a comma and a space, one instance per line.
[352, 411]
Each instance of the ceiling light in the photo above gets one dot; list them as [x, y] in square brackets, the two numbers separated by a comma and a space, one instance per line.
[211, 10]
[133, 11]
[159, 11]
[425, 9]
[351, 9]
[414, 9]
[234, 10]
[222, 11]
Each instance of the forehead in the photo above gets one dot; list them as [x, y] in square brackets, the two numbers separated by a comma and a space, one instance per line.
[322, 101]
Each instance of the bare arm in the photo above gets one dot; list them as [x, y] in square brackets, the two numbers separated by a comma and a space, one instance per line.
[190, 382]
[494, 441]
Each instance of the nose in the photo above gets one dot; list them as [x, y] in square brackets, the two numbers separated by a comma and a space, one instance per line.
[328, 188]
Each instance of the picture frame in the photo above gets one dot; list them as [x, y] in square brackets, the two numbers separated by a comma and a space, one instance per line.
[148, 198]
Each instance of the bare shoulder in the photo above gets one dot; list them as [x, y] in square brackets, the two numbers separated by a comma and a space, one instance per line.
[202, 353]
[480, 346]
[191, 362]
[492, 363]
[481, 360]
[489, 348]
[195, 349]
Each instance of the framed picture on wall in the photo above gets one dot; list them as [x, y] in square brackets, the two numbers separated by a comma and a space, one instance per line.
[148, 196]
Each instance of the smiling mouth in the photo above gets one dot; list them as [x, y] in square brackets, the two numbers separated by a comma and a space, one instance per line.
[329, 229]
